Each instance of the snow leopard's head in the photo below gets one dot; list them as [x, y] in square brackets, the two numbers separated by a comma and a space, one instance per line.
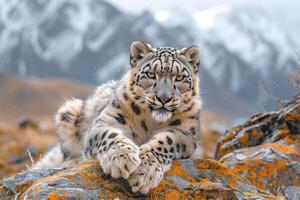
[166, 78]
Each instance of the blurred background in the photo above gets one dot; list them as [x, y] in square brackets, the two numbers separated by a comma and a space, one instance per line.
[52, 50]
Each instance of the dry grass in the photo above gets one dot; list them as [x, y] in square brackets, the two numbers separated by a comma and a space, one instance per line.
[294, 79]
[20, 147]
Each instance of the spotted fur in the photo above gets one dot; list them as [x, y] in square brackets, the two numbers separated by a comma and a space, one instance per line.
[137, 126]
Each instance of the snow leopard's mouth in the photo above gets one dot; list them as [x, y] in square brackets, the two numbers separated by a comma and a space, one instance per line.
[161, 110]
[161, 114]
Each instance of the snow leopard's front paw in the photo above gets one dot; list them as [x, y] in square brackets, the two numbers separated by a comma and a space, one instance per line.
[148, 175]
[121, 159]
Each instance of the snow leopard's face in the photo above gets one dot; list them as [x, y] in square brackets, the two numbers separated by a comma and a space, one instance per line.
[167, 76]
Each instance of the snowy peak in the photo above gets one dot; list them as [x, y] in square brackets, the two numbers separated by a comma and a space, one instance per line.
[252, 42]
[251, 32]
[45, 24]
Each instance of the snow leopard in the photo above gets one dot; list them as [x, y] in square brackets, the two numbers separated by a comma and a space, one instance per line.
[137, 126]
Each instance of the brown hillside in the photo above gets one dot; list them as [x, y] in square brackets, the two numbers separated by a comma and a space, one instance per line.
[35, 98]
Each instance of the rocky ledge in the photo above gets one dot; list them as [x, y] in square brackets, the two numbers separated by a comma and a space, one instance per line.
[259, 159]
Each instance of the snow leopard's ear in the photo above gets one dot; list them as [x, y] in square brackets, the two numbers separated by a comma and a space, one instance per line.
[138, 50]
[192, 55]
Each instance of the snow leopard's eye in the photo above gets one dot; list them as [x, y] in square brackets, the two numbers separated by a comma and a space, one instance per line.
[150, 75]
[179, 77]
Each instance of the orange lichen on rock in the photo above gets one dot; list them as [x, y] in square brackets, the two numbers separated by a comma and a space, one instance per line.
[267, 166]
[187, 179]
[266, 150]
[57, 196]
[173, 195]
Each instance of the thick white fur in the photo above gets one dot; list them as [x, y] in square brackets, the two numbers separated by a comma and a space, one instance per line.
[161, 117]
[52, 159]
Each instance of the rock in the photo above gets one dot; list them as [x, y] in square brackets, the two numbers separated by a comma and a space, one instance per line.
[266, 150]
[292, 192]
[198, 179]
[262, 128]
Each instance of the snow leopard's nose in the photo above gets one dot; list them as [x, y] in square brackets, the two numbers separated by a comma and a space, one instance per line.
[164, 90]
[164, 99]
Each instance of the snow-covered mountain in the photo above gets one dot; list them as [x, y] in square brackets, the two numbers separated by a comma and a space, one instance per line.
[72, 38]
[89, 41]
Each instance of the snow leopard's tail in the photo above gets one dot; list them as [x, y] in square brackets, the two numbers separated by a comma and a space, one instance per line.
[67, 122]
[53, 158]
